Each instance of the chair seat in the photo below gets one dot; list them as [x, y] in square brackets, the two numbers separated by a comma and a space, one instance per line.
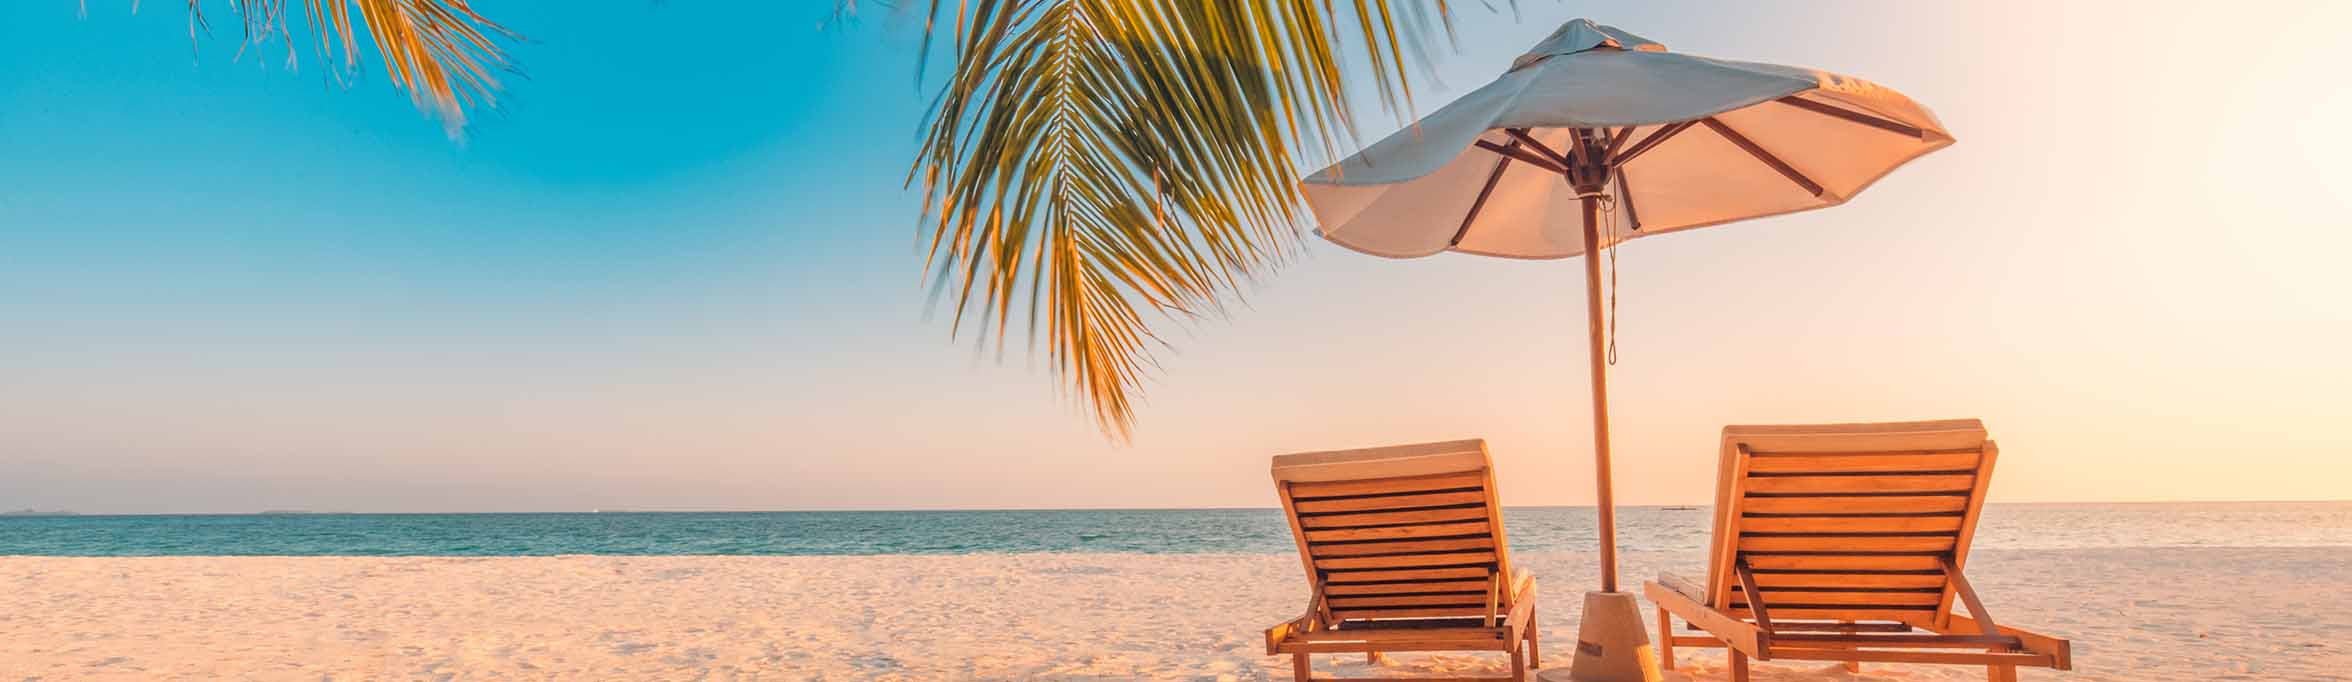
[1436, 634]
[1477, 624]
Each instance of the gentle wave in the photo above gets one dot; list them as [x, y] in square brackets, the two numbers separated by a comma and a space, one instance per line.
[1170, 531]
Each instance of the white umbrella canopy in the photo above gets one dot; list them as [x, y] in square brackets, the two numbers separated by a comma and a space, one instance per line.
[1690, 141]
[1594, 116]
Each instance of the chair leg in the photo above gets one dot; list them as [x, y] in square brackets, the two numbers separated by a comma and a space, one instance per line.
[1299, 669]
[1534, 643]
[1856, 665]
[1372, 658]
[2001, 673]
[1739, 666]
[1665, 640]
[1518, 666]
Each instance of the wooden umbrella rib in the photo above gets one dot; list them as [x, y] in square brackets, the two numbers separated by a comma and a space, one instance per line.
[1521, 154]
[1654, 139]
[1625, 198]
[1617, 141]
[1523, 137]
[1501, 164]
[1752, 149]
[1853, 116]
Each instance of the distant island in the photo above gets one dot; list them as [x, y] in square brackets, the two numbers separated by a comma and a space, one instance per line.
[40, 512]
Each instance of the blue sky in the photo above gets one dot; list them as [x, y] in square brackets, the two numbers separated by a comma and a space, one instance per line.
[677, 270]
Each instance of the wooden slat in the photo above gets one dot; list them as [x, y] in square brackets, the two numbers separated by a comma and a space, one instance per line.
[1303, 490]
[1948, 657]
[1775, 598]
[1406, 560]
[1893, 483]
[1353, 634]
[1917, 615]
[1843, 562]
[1846, 543]
[1480, 543]
[1373, 576]
[1424, 516]
[1401, 645]
[1465, 600]
[1847, 628]
[1949, 434]
[1428, 612]
[1348, 504]
[1894, 641]
[1871, 462]
[1877, 580]
[1396, 532]
[1472, 586]
[1851, 524]
[1891, 504]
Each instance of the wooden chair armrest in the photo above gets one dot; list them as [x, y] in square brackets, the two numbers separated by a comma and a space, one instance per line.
[1522, 604]
[2060, 651]
[1686, 586]
[1731, 630]
[1310, 621]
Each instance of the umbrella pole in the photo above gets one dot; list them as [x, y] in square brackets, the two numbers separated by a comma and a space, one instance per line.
[1612, 642]
[1600, 387]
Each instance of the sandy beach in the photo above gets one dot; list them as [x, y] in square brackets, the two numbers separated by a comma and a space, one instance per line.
[2134, 614]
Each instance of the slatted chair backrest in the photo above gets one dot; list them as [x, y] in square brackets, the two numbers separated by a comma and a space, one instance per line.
[1401, 532]
[1847, 521]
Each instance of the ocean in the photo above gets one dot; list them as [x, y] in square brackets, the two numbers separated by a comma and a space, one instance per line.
[1158, 531]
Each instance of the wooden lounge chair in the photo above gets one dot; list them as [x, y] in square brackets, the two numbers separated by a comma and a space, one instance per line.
[1855, 537]
[1404, 551]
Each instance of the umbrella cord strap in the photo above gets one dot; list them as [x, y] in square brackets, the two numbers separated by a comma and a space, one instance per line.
[1609, 217]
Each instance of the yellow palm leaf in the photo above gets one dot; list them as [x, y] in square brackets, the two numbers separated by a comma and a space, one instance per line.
[441, 52]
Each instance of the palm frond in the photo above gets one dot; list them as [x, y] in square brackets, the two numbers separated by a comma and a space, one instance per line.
[443, 53]
[1121, 163]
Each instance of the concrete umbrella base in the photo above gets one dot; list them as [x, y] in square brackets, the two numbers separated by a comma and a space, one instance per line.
[1612, 643]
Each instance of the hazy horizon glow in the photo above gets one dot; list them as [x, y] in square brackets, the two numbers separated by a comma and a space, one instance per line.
[679, 271]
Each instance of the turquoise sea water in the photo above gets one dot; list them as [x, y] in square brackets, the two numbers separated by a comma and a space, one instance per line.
[2021, 526]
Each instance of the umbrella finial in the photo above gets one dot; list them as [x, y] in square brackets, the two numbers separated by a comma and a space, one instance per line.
[1579, 35]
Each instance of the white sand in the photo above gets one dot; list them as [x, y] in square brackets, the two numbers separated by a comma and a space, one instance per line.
[2273, 614]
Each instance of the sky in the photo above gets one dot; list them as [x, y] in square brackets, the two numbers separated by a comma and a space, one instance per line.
[678, 269]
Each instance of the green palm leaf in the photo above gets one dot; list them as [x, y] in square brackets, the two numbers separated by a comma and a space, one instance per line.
[1118, 163]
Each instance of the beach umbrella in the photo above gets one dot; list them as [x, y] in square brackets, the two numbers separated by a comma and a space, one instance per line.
[1598, 136]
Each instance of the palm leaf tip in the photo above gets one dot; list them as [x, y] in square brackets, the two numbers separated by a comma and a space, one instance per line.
[444, 54]
[1129, 163]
